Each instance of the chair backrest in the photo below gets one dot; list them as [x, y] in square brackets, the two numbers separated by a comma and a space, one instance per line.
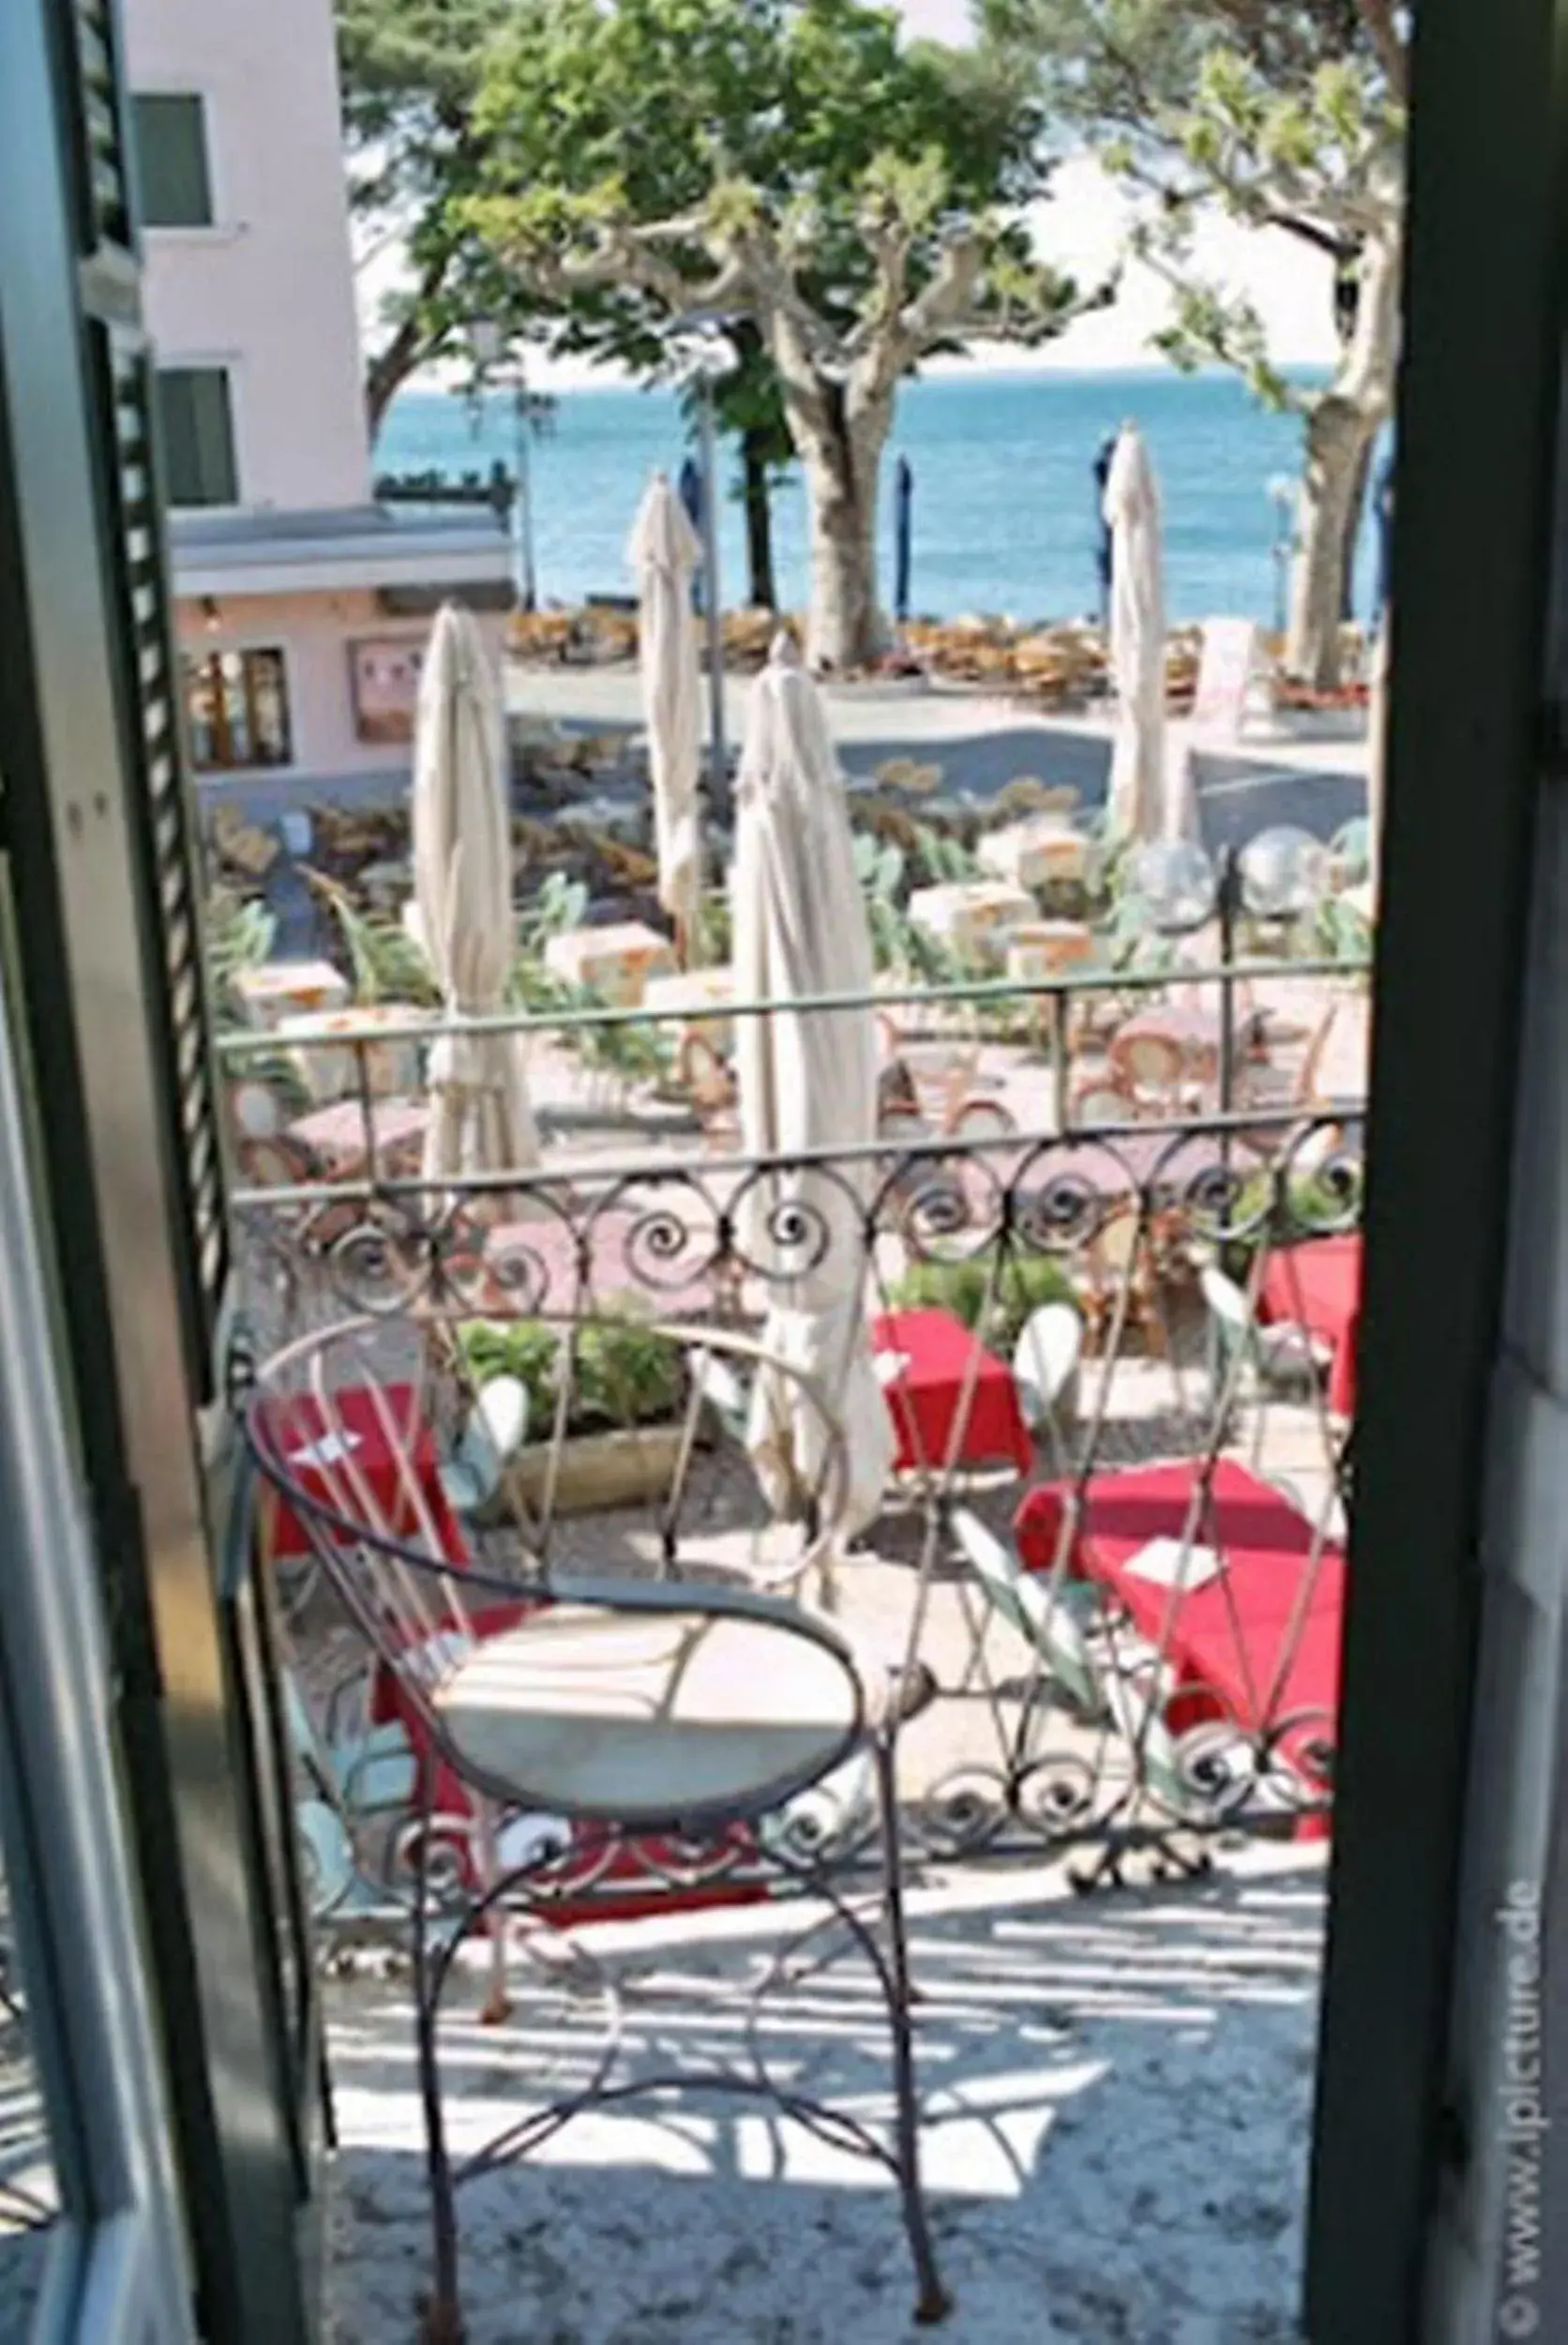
[496, 1430]
[1150, 1062]
[1045, 1359]
[719, 1383]
[1043, 1621]
[1103, 1099]
[1224, 1302]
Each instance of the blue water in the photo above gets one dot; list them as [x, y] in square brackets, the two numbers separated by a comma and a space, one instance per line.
[1004, 498]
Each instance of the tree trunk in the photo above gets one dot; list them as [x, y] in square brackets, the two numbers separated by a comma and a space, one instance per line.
[846, 629]
[758, 521]
[1342, 426]
[1338, 436]
[1353, 532]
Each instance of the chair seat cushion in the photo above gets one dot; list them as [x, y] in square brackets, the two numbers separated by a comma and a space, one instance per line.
[650, 1718]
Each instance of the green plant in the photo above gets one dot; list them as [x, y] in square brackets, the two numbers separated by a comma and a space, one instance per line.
[1270, 1213]
[715, 937]
[1342, 933]
[239, 932]
[622, 1373]
[560, 904]
[943, 859]
[994, 1291]
[386, 964]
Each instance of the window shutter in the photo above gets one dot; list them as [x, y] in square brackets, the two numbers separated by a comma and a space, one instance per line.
[161, 807]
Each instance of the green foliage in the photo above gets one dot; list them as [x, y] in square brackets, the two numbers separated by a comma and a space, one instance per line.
[1285, 114]
[1342, 933]
[410, 71]
[619, 1371]
[238, 932]
[630, 1052]
[994, 1291]
[386, 964]
[941, 858]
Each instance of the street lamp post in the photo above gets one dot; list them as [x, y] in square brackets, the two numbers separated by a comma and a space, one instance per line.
[526, 586]
[1282, 495]
[491, 351]
[713, 600]
[712, 357]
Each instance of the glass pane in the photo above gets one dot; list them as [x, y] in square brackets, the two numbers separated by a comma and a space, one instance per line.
[172, 162]
[237, 709]
[198, 435]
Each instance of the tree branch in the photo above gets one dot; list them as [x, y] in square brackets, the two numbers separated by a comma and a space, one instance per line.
[1383, 33]
[408, 346]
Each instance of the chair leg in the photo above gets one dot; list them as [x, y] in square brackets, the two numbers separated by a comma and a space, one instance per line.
[497, 2007]
[932, 2302]
[443, 2319]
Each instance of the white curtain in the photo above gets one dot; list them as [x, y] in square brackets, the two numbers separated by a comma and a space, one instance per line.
[807, 1079]
[481, 1116]
[664, 554]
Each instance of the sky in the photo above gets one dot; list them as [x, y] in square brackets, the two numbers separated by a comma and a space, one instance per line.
[1081, 229]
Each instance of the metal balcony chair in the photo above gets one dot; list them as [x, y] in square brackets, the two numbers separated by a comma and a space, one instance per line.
[675, 1735]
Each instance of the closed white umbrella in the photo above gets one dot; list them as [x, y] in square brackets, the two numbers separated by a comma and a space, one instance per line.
[481, 1116]
[1132, 513]
[807, 1080]
[664, 554]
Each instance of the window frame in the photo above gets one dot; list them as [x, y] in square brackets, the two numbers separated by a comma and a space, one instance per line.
[227, 364]
[194, 656]
[220, 225]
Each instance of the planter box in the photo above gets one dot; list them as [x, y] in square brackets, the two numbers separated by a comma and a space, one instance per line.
[598, 1471]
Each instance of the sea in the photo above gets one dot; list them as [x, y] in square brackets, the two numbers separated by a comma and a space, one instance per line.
[1004, 501]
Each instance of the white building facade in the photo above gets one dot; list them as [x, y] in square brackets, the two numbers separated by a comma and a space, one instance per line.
[302, 601]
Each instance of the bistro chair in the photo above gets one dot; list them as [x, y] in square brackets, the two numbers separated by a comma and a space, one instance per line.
[589, 1737]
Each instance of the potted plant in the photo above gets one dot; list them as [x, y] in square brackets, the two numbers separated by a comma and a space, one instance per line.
[625, 1395]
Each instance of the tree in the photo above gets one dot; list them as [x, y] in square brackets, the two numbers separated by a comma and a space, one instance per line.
[789, 167]
[410, 71]
[1286, 115]
[747, 402]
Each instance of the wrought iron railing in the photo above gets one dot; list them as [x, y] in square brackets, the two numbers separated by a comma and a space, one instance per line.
[1119, 1556]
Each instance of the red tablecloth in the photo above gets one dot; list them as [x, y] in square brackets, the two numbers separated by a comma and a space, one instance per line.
[1318, 1285]
[952, 1401]
[390, 1480]
[1229, 1641]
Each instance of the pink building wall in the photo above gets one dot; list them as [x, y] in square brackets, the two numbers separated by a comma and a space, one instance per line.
[315, 634]
[269, 289]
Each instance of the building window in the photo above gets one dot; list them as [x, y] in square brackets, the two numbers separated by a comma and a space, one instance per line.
[197, 417]
[172, 173]
[238, 710]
